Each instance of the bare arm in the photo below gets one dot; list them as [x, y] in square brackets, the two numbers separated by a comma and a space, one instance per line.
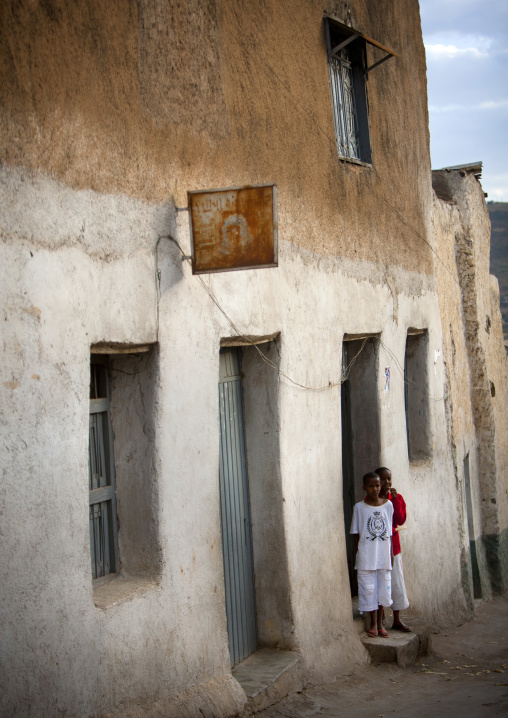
[356, 538]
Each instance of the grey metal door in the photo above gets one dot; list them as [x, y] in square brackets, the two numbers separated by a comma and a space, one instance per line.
[235, 512]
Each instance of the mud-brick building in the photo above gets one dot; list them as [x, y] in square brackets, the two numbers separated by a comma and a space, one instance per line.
[476, 375]
[180, 452]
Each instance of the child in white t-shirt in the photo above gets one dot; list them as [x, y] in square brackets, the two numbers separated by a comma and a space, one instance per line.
[372, 529]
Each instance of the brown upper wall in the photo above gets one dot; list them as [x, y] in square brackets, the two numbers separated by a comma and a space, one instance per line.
[152, 99]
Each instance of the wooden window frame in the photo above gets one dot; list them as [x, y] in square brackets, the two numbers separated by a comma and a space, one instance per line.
[349, 71]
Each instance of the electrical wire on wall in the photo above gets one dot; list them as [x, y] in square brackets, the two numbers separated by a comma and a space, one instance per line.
[331, 385]
[346, 371]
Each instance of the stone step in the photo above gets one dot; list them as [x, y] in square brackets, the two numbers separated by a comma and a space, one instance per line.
[401, 648]
[267, 676]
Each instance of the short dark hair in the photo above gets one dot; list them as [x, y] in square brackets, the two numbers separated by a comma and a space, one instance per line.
[369, 475]
[383, 468]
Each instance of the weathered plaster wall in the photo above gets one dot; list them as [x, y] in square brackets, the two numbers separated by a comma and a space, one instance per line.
[154, 99]
[60, 652]
[460, 424]
[110, 114]
[147, 639]
[469, 301]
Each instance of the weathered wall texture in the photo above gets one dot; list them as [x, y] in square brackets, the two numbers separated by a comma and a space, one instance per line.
[162, 628]
[472, 335]
[109, 114]
[151, 99]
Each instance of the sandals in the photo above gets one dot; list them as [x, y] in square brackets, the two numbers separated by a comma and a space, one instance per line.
[402, 627]
[372, 633]
[382, 633]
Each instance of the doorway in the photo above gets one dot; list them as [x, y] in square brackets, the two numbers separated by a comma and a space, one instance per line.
[235, 512]
[348, 472]
[473, 557]
[361, 434]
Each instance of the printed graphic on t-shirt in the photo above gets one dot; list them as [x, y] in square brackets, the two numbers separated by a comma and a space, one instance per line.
[377, 527]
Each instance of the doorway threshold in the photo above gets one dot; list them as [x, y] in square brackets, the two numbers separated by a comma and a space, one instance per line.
[268, 675]
[400, 648]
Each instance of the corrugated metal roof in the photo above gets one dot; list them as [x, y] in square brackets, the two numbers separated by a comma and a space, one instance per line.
[470, 167]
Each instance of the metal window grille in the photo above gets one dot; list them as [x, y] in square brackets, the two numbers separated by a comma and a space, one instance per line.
[344, 108]
[102, 508]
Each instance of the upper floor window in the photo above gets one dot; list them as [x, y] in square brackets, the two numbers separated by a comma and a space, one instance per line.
[347, 59]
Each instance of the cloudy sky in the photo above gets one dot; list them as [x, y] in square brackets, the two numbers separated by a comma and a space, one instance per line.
[467, 68]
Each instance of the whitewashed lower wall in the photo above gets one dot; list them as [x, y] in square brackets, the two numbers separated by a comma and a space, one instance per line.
[476, 359]
[79, 268]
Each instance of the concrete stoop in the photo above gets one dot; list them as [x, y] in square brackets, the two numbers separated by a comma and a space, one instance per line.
[401, 648]
[267, 676]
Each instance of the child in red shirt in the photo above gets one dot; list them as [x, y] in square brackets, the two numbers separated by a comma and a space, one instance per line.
[399, 594]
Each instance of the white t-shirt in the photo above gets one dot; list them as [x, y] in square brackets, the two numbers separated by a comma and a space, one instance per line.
[374, 525]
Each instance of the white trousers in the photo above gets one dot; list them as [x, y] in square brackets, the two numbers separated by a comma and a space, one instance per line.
[399, 594]
[374, 589]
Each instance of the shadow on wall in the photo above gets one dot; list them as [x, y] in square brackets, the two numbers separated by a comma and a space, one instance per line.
[134, 389]
[364, 418]
[261, 402]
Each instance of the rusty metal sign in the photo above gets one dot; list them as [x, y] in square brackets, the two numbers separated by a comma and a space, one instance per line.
[234, 228]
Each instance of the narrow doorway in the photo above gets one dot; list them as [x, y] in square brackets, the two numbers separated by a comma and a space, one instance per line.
[235, 512]
[361, 433]
[348, 471]
[475, 572]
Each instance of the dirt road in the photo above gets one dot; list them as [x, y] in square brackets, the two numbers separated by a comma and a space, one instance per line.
[465, 676]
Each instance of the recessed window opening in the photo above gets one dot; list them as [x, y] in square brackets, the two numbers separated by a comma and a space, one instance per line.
[416, 395]
[123, 513]
[347, 60]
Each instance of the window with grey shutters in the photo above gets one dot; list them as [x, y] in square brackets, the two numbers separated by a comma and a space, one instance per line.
[102, 502]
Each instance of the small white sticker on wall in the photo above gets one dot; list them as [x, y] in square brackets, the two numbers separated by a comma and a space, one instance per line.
[437, 354]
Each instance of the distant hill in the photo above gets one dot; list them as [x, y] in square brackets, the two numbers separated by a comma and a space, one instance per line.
[498, 212]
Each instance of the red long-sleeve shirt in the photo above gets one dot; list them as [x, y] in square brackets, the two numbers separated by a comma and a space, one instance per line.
[399, 518]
